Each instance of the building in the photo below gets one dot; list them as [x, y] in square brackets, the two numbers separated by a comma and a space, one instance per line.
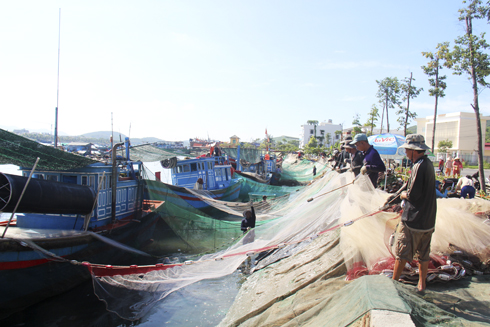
[457, 127]
[234, 140]
[325, 133]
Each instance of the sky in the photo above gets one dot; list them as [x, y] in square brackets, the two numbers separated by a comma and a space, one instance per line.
[185, 69]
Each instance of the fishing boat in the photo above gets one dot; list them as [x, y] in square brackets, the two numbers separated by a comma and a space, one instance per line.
[64, 217]
[215, 173]
[258, 165]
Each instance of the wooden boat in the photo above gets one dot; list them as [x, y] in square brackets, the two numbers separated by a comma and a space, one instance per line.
[215, 173]
[67, 217]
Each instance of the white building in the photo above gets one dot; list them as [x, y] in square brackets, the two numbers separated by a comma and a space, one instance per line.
[457, 127]
[324, 131]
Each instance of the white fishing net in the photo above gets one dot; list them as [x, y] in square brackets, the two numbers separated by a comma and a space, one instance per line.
[332, 203]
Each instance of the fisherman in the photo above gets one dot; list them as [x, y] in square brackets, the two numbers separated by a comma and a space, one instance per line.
[248, 222]
[372, 163]
[314, 170]
[467, 186]
[414, 233]
[343, 154]
[357, 159]
[199, 184]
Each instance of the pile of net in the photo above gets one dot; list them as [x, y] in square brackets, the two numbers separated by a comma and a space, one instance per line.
[149, 153]
[303, 254]
[301, 170]
[250, 156]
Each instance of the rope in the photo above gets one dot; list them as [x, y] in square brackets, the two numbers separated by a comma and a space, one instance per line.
[247, 253]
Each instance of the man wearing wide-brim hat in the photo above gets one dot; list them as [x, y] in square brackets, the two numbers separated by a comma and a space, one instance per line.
[414, 233]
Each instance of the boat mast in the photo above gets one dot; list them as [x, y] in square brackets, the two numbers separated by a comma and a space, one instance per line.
[58, 86]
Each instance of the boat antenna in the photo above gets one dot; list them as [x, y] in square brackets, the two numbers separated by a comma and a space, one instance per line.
[58, 86]
[129, 131]
[112, 134]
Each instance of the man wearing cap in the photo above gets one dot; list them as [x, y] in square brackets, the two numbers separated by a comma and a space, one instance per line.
[372, 163]
[344, 155]
[414, 233]
[357, 158]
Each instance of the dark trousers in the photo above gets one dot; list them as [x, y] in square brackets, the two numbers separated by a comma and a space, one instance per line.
[468, 190]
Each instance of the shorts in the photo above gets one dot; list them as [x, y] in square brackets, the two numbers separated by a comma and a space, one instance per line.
[410, 243]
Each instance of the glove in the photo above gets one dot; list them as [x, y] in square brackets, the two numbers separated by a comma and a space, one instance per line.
[364, 170]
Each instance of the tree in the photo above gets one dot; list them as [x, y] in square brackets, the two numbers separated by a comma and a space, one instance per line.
[409, 92]
[356, 120]
[314, 123]
[389, 94]
[372, 118]
[328, 139]
[337, 133]
[444, 145]
[437, 81]
[469, 57]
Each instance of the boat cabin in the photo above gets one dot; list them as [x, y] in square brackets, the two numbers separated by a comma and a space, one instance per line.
[214, 171]
[99, 178]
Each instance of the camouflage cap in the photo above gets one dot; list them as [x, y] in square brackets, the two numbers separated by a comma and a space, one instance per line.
[415, 142]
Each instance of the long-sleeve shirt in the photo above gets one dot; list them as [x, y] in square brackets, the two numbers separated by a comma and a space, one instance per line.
[341, 162]
[249, 222]
[374, 164]
[420, 208]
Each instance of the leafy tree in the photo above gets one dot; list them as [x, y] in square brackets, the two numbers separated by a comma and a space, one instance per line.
[389, 94]
[444, 145]
[314, 123]
[469, 57]
[356, 130]
[337, 133]
[268, 143]
[328, 139]
[356, 122]
[438, 82]
[409, 92]
[312, 145]
[372, 118]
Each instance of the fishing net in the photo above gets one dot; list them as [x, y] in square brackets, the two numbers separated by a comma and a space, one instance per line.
[320, 234]
[149, 153]
[301, 170]
[22, 152]
[249, 155]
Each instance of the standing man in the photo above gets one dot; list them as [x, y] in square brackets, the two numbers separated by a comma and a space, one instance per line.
[314, 170]
[372, 163]
[414, 233]
[344, 155]
[357, 159]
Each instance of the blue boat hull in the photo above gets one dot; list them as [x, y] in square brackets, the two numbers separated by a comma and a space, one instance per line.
[19, 263]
